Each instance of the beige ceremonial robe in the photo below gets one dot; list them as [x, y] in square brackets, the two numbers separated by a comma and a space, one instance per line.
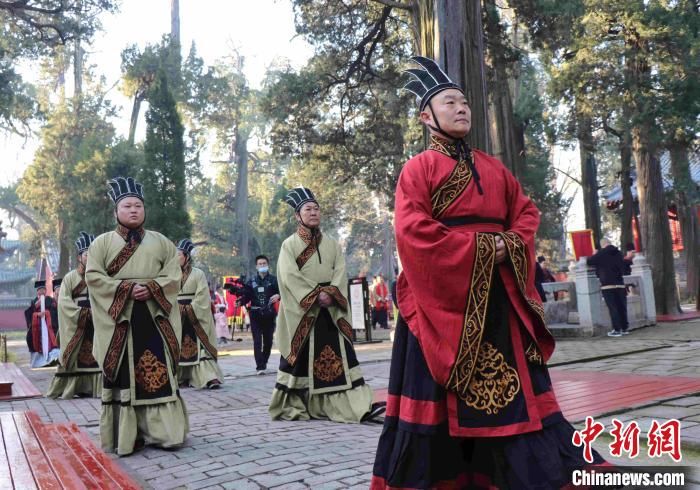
[198, 353]
[319, 375]
[78, 372]
[137, 343]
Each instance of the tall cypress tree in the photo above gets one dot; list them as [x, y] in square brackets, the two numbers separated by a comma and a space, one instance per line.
[163, 177]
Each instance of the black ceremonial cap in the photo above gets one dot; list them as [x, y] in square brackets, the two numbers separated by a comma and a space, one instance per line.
[57, 283]
[299, 196]
[83, 242]
[121, 187]
[186, 246]
[429, 80]
[39, 284]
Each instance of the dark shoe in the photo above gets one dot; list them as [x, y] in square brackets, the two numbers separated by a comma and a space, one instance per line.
[377, 409]
[214, 384]
[614, 333]
[625, 332]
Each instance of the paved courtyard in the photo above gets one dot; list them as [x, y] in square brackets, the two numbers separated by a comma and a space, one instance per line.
[233, 443]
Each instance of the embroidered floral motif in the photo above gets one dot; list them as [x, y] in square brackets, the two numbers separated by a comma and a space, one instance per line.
[114, 351]
[121, 296]
[345, 328]
[299, 338]
[159, 296]
[475, 315]
[328, 366]
[494, 383]
[151, 374]
[189, 348]
[85, 356]
[456, 183]
[308, 301]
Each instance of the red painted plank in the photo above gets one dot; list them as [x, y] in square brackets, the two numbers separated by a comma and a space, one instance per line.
[96, 471]
[116, 473]
[22, 387]
[17, 460]
[41, 469]
[66, 466]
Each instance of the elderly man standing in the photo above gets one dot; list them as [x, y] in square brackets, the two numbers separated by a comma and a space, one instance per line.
[133, 276]
[319, 376]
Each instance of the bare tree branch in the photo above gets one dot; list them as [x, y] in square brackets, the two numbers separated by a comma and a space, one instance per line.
[396, 4]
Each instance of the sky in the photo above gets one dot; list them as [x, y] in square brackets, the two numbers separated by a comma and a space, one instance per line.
[262, 30]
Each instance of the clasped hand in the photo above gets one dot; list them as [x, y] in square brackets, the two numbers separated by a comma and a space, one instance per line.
[140, 293]
[500, 249]
[324, 299]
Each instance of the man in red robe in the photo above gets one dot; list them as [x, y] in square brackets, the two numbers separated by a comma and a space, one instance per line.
[470, 402]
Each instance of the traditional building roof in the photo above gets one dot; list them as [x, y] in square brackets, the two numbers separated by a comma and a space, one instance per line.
[613, 198]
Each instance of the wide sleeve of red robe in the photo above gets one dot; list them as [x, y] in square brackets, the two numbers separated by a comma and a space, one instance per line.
[443, 289]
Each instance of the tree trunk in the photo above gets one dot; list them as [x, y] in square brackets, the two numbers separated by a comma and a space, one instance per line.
[628, 206]
[241, 231]
[687, 202]
[457, 45]
[64, 250]
[589, 175]
[77, 70]
[175, 21]
[503, 130]
[136, 108]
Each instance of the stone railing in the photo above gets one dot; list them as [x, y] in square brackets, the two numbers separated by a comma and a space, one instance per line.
[580, 301]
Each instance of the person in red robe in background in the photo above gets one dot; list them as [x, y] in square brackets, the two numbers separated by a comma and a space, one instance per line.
[470, 401]
[42, 328]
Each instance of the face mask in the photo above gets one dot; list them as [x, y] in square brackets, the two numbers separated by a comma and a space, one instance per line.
[263, 269]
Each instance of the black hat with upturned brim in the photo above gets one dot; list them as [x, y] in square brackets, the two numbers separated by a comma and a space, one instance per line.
[429, 81]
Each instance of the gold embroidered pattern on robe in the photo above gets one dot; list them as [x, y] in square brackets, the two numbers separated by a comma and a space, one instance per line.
[199, 331]
[189, 348]
[120, 298]
[345, 328]
[533, 354]
[159, 296]
[475, 315]
[126, 252]
[166, 330]
[151, 374]
[79, 288]
[114, 351]
[186, 271]
[455, 184]
[518, 258]
[85, 353]
[83, 318]
[328, 366]
[300, 335]
[494, 383]
[311, 245]
[309, 300]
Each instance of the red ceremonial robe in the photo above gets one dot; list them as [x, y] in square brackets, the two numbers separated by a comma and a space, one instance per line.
[445, 232]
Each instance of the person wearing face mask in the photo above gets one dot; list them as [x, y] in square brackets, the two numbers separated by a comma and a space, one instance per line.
[133, 277]
[264, 293]
[470, 402]
[319, 376]
[78, 373]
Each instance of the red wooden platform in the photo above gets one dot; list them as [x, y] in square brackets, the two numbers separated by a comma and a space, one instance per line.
[594, 393]
[22, 388]
[679, 317]
[41, 456]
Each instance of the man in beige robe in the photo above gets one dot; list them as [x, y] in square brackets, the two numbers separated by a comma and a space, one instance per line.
[78, 372]
[198, 366]
[133, 277]
[319, 375]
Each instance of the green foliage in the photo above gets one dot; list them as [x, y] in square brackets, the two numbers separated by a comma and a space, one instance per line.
[163, 176]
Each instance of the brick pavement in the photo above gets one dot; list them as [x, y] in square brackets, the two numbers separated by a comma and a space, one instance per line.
[234, 444]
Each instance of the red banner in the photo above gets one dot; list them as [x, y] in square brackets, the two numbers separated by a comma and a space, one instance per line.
[582, 243]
